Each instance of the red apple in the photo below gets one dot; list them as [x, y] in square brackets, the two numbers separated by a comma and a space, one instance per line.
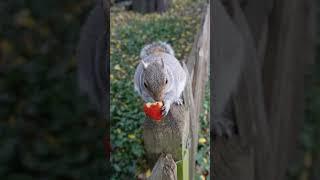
[153, 110]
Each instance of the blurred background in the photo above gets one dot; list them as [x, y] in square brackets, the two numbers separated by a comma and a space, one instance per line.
[47, 130]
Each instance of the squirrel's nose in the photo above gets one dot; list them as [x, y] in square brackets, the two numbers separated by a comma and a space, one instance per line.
[158, 98]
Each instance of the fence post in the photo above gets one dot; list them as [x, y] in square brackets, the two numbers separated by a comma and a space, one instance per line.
[176, 136]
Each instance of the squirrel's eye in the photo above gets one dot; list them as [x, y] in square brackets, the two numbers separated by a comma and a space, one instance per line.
[145, 84]
[166, 81]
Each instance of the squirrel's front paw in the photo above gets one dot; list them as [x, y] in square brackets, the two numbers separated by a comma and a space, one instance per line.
[223, 126]
[165, 108]
[179, 101]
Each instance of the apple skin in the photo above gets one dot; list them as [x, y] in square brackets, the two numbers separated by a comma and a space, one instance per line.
[153, 110]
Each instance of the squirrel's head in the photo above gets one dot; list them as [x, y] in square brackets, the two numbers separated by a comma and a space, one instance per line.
[155, 79]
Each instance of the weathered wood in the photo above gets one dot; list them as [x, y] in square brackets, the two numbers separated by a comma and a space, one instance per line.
[267, 103]
[198, 67]
[291, 32]
[164, 169]
[167, 136]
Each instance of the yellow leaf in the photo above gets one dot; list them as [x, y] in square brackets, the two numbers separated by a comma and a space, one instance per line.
[307, 159]
[117, 67]
[131, 136]
[205, 160]
[202, 140]
[6, 46]
[202, 177]
[148, 173]
[12, 121]
[51, 139]
[24, 18]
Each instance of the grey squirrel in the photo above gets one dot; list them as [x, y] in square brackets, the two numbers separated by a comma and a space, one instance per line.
[159, 76]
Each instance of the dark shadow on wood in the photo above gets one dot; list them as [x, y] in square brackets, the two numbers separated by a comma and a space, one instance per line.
[267, 90]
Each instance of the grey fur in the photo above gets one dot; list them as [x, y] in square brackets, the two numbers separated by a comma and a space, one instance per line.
[157, 65]
[156, 47]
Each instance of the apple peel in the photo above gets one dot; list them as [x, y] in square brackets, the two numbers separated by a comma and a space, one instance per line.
[153, 110]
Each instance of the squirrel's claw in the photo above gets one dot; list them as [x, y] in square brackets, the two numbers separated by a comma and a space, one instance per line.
[179, 101]
[165, 108]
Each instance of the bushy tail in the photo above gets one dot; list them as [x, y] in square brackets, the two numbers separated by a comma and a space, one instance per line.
[156, 47]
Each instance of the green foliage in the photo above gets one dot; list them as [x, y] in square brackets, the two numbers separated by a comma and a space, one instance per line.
[203, 154]
[47, 130]
[129, 33]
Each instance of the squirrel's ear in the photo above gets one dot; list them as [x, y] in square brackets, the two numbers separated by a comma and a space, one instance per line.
[162, 63]
[145, 65]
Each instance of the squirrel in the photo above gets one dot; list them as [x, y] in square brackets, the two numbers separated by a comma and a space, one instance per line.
[159, 76]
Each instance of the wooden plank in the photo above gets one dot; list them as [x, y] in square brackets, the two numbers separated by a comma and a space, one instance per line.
[198, 68]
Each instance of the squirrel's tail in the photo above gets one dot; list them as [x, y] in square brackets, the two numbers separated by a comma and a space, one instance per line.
[156, 47]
